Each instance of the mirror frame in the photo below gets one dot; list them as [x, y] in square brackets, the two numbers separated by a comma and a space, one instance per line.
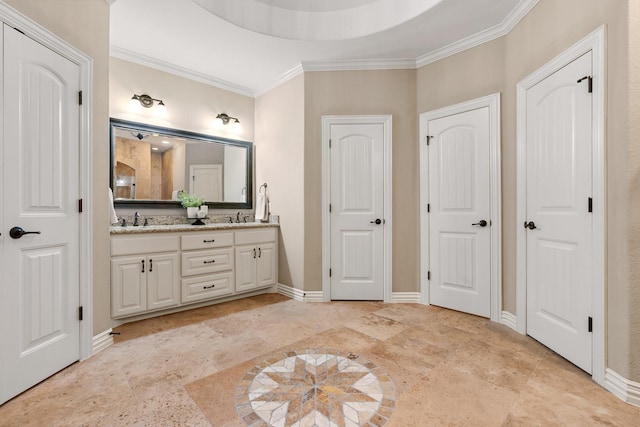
[135, 126]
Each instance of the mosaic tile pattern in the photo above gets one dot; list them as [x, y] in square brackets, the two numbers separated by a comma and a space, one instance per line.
[315, 388]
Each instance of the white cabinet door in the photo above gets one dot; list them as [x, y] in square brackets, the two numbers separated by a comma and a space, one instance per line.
[246, 258]
[267, 268]
[128, 285]
[163, 281]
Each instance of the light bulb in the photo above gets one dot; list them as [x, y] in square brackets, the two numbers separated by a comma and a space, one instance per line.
[134, 104]
[236, 127]
[161, 109]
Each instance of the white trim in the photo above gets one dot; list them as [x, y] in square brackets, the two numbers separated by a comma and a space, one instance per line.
[360, 64]
[493, 103]
[509, 319]
[101, 341]
[405, 297]
[386, 121]
[300, 295]
[294, 72]
[482, 37]
[594, 42]
[627, 390]
[158, 64]
[85, 63]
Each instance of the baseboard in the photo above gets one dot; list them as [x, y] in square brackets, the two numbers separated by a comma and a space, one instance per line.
[405, 297]
[627, 390]
[101, 341]
[509, 319]
[300, 295]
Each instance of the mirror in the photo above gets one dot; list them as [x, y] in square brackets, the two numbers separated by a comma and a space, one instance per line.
[151, 165]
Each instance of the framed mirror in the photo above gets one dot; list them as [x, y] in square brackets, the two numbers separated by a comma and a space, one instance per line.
[151, 165]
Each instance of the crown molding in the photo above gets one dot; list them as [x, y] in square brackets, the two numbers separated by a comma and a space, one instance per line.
[360, 65]
[502, 29]
[294, 72]
[147, 61]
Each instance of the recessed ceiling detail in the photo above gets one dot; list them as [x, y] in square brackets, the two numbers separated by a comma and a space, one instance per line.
[313, 20]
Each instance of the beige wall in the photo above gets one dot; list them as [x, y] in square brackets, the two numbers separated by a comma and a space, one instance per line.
[364, 92]
[633, 176]
[550, 28]
[191, 105]
[280, 163]
[85, 25]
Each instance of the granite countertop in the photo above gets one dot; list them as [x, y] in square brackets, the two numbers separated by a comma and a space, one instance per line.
[129, 229]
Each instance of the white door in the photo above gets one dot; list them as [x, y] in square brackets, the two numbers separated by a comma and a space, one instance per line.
[40, 279]
[206, 182]
[460, 200]
[357, 209]
[559, 181]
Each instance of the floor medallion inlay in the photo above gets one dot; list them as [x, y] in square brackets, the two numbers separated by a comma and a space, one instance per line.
[315, 388]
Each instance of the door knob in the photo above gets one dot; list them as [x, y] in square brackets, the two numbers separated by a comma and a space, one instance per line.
[530, 225]
[18, 232]
[481, 223]
[378, 221]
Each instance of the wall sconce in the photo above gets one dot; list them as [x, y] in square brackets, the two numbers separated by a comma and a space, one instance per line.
[146, 101]
[224, 119]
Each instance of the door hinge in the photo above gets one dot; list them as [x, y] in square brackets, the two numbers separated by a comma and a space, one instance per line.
[590, 82]
[329, 207]
[429, 139]
[80, 205]
[329, 272]
[80, 313]
[590, 324]
[428, 275]
[80, 98]
[428, 207]
[590, 204]
[329, 142]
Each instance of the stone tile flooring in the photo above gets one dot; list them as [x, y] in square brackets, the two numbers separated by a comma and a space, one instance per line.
[315, 387]
[447, 368]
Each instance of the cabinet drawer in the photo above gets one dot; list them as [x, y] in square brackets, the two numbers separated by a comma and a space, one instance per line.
[255, 236]
[202, 262]
[206, 287]
[133, 245]
[205, 241]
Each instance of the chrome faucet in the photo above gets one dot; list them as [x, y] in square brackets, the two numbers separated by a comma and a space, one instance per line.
[136, 218]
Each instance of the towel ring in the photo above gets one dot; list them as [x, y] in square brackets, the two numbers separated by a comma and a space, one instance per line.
[263, 185]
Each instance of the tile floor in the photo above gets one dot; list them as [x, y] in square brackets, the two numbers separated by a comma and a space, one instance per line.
[441, 367]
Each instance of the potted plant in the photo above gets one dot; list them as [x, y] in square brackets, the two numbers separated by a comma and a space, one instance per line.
[192, 203]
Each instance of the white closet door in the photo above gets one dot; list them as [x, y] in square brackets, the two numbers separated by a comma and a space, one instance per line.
[40, 277]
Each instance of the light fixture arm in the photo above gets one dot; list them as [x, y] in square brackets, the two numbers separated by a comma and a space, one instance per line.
[146, 101]
[227, 118]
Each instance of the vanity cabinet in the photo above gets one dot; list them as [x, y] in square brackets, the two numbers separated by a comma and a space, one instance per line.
[256, 259]
[145, 274]
[207, 266]
[166, 270]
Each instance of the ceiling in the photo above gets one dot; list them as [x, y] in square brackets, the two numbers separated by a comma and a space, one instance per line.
[251, 46]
